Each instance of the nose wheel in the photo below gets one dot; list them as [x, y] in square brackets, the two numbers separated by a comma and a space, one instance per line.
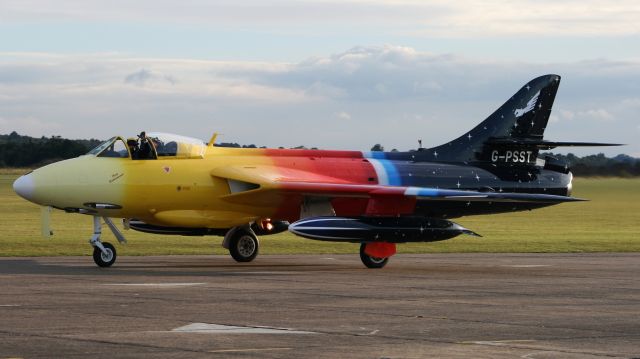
[106, 257]
[104, 253]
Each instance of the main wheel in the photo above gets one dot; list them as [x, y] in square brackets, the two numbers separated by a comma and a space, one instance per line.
[244, 246]
[106, 258]
[369, 261]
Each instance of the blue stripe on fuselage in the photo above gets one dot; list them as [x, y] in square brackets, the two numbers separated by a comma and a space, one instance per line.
[392, 172]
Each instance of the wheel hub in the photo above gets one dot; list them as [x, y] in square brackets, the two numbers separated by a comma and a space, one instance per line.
[106, 255]
[246, 246]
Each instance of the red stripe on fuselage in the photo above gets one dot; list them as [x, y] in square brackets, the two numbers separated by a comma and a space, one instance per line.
[340, 166]
[321, 166]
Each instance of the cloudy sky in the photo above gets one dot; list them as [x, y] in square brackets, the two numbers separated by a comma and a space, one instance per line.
[331, 74]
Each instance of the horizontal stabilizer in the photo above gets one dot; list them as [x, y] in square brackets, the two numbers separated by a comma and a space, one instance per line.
[544, 145]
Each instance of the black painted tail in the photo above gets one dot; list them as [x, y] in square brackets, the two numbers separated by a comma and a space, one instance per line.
[512, 135]
[518, 125]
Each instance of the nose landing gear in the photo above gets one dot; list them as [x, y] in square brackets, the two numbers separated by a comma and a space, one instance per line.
[104, 253]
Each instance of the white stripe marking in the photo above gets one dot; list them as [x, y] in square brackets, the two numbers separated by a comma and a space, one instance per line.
[231, 329]
[527, 265]
[246, 350]
[412, 191]
[381, 172]
[311, 220]
[156, 285]
[499, 343]
[298, 228]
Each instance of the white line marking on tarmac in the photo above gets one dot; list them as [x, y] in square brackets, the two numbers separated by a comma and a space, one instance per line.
[499, 343]
[10, 305]
[527, 265]
[154, 285]
[231, 329]
[265, 272]
[247, 350]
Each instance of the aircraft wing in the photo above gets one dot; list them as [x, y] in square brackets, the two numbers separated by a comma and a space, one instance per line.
[260, 182]
[420, 193]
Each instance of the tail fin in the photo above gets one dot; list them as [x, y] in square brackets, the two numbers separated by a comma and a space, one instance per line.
[518, 124]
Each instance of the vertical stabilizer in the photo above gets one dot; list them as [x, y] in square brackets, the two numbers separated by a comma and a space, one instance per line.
[523, 118]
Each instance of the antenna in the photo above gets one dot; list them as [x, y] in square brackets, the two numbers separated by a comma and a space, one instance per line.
[213, 139]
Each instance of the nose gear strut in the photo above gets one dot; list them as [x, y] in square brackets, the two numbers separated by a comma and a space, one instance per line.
[104, 253]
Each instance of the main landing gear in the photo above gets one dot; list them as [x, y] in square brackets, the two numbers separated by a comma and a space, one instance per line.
[370, 261]
[242, 243]
[376, 254]
[104, 253]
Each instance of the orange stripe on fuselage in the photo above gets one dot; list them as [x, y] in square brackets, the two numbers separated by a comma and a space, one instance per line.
[339, 166]
[320, 166]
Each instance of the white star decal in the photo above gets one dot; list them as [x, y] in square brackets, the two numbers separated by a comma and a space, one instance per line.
[528, 87]
[435, 153]
[477, 177]
[532, 123]
[458, 184]
[469, 136]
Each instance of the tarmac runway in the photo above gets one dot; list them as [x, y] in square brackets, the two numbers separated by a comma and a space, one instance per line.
[323, 306]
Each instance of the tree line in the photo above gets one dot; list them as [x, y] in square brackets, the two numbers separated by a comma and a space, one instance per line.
[20, 151]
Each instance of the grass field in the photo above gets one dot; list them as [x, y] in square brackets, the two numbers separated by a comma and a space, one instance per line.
[609, 222]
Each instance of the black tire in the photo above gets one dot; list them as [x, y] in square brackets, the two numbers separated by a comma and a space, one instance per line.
[102, 259]
[244, 245]
[371, 262]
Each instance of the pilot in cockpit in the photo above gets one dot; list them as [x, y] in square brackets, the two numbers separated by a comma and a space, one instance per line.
[147, 148]
[132, 143]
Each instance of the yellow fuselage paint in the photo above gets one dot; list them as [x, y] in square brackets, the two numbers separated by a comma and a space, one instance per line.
[166, 191]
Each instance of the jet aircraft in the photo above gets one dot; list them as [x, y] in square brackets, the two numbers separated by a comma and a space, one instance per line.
[167, 184]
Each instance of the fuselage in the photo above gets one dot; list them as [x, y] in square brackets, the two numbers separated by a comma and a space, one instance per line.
[185, 192]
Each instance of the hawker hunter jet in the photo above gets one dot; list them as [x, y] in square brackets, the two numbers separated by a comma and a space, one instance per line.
[168, 184]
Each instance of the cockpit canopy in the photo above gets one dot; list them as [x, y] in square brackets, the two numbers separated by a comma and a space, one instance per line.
[152, 146]
[170, 145]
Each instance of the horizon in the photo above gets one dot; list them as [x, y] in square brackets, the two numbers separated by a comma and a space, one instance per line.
[317, 148]
[338, 75]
